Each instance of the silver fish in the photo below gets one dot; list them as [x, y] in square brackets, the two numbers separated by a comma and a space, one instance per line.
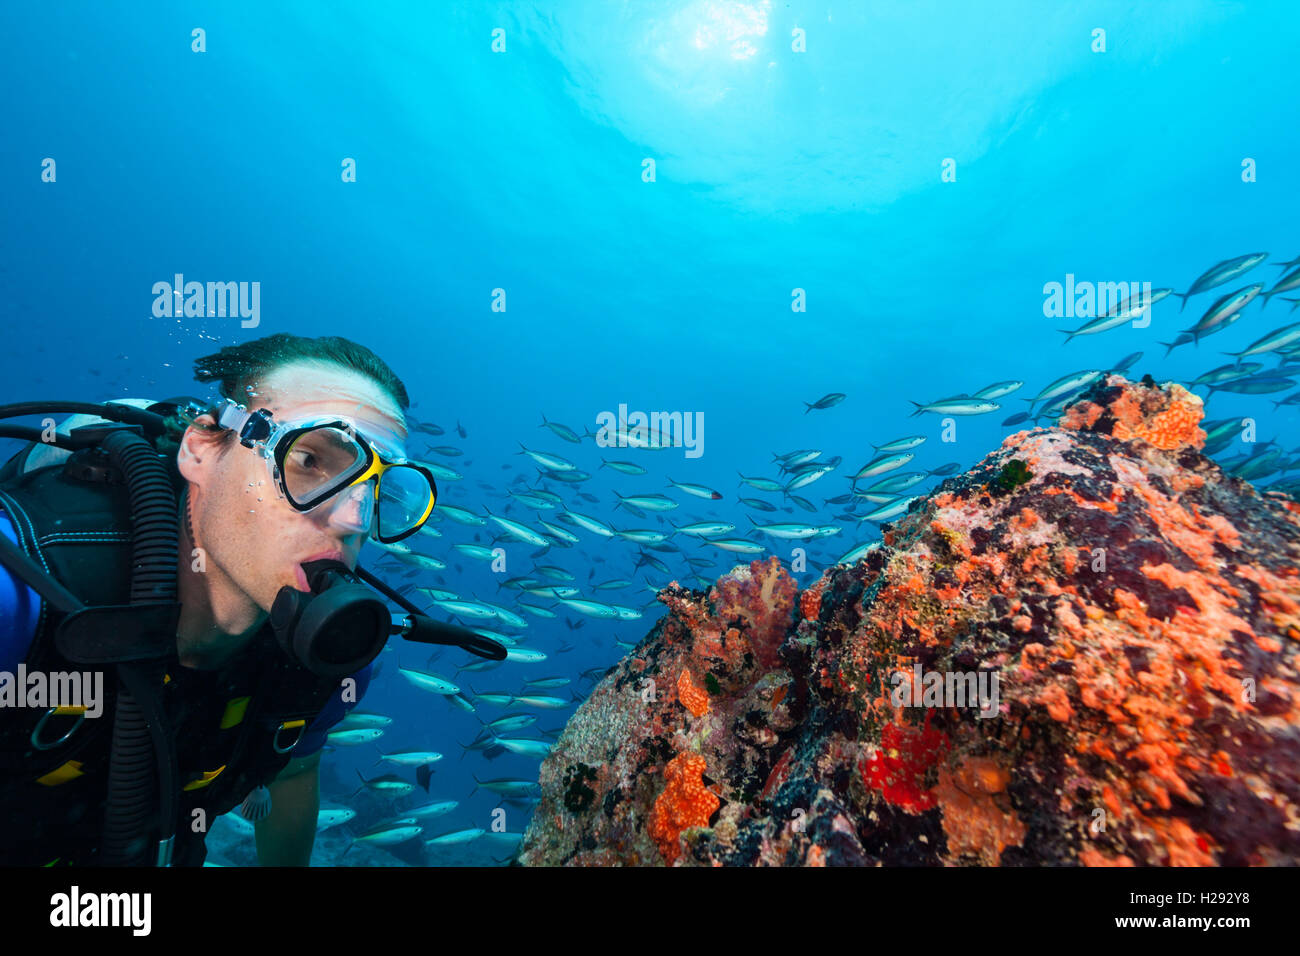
[1225, 271]
[1225, 311]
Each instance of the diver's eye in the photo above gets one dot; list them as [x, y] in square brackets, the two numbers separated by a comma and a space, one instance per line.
[303, 460]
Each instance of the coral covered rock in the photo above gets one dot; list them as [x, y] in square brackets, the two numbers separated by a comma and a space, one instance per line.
[1082, 651]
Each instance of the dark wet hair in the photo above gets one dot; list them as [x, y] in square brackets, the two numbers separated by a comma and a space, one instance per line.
[238, 369]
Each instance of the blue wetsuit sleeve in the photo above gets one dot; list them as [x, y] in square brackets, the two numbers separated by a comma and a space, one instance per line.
[313, 738]
[20, 608]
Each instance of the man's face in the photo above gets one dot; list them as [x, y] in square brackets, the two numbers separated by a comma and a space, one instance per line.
[249, 532]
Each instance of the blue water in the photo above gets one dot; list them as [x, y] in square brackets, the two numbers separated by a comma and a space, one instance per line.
[522, 171]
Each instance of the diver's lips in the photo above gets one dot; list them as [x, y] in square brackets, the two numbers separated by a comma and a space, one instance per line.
[334, 555]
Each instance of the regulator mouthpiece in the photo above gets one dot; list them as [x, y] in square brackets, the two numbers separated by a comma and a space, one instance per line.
[335, 629]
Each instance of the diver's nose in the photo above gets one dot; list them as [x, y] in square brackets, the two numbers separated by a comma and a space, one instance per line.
[353, 509]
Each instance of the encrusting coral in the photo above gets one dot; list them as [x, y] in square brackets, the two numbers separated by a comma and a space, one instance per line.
[1119, 622]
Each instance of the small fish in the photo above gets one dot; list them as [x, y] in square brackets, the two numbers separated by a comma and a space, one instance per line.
[703, 529]
[1224, 312]
[587, 523]
[553, 573]
[857, 554]
[435, 809]
[572, 477]
[423, 561]
[553, 591]
[388, 834]
[476, 551]
[881, 464]
[467, 609]
[360, 718]
[1065, 384]
[896, 484]
[448, 451]
[826, 401]
[1016, 419]
[548, 682]
[542, 702]
[796, 458]
[1261, 385]
[1225, 271]
[653, 502]
[1127, 362]
[1181, 340]
[507, 786]
[496, 700]
[757, 505]
[524, 655]
[555, 531]
[524, 747]
[411, 758]
[626, 467]
[789, 531]
[957, 406]
[947, 469]
[430, 682]
[460, 430]
[1258, 466]
[442, 472]
[1278, 338]
[533, 500]
[505, 614]
[806, 475]
[762, 484]
[519, 531]
[561, 431]
[456, 838]
[997, 390]
[1226, 373]
[891, 510]
[643, 536]
[535, 610]
[1288, 283]
[460, 515]
[900, 444]
[590, 608]
[699, 491]
[736, 545]
[388, 785]
[332, 817]
[358, 735]
[549, 462]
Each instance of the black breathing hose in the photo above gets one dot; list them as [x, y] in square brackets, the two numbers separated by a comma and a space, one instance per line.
[129, 814]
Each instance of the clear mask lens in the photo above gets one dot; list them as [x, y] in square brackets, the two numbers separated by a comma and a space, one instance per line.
[404, 495]
[321, 459]
[353, 511]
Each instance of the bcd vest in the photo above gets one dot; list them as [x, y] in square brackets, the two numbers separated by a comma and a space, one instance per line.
[234, 728]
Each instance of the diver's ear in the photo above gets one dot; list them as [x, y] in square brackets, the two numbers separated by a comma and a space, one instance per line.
[197, 447]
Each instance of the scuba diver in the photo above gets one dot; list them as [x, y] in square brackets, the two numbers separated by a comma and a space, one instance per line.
[204, 560]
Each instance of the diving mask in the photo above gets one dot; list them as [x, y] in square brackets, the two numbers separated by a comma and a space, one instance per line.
[312, 460]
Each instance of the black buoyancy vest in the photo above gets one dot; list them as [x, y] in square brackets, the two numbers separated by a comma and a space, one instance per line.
[233, 727]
